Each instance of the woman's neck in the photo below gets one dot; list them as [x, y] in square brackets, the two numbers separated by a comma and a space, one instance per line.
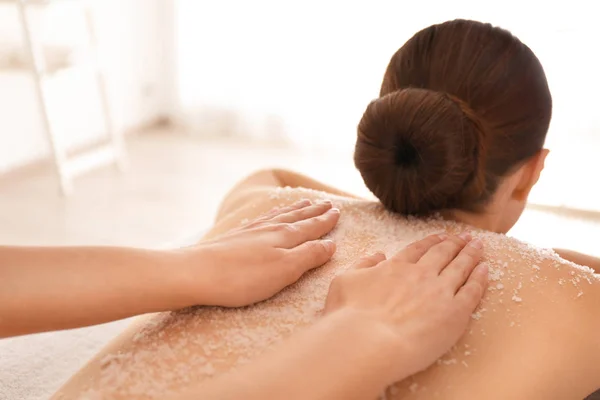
[485, 221]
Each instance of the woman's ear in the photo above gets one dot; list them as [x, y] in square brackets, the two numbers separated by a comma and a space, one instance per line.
[531, 172]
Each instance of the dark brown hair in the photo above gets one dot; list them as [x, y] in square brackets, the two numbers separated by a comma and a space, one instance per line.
[462, 104]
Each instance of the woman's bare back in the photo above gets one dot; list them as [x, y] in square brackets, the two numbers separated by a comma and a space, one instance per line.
[532, 337]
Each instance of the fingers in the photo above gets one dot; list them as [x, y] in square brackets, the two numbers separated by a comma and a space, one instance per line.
[311, 255]
[461, 267]
[414, 251]
[302, 213]
[469, 296]
[369, 261]
[440, 255]
[278, 211]
[309, 229]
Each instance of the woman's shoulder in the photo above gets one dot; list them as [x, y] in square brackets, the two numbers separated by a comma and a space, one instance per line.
[254, 200]
[533, 336]
[536, 282]
[552, 301]
[515, 264]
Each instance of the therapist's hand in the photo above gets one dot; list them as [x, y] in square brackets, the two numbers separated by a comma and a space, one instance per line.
[254, 262]
[421, 298]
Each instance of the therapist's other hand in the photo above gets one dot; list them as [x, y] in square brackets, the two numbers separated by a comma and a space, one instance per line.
[421, 298]
[254, 262]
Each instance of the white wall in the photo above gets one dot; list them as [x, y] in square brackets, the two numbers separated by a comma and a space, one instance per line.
[135, 42]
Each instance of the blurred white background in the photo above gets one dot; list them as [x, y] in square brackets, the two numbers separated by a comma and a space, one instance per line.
[296, 76]
[308, 70]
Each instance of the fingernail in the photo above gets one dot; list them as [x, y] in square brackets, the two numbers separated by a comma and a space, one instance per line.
[325, 202]
[304, 202]
[334, 211]
[443, 236]
[478, 244]
[466, 236]
[329, 245]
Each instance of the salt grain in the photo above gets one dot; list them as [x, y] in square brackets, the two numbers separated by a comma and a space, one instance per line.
[449, 362]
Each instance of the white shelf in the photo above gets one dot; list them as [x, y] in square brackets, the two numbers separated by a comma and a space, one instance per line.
[42, 63]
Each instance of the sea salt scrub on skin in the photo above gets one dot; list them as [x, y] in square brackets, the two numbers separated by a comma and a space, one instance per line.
[173, 350]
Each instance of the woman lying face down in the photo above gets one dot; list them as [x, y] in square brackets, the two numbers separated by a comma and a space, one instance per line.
[453, 143]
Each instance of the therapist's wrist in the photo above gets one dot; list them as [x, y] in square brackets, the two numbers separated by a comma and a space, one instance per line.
[191, 276]
[161, 279]
[201, 277]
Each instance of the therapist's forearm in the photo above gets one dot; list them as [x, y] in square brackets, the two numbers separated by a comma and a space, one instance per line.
[342, 356]
[44, 289]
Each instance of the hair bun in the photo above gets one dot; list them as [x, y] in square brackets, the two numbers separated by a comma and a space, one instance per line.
[420, 151]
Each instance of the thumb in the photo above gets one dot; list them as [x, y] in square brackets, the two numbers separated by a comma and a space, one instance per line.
[369, 261]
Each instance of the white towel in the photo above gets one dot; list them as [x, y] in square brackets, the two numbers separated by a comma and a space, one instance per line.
[34, 367]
